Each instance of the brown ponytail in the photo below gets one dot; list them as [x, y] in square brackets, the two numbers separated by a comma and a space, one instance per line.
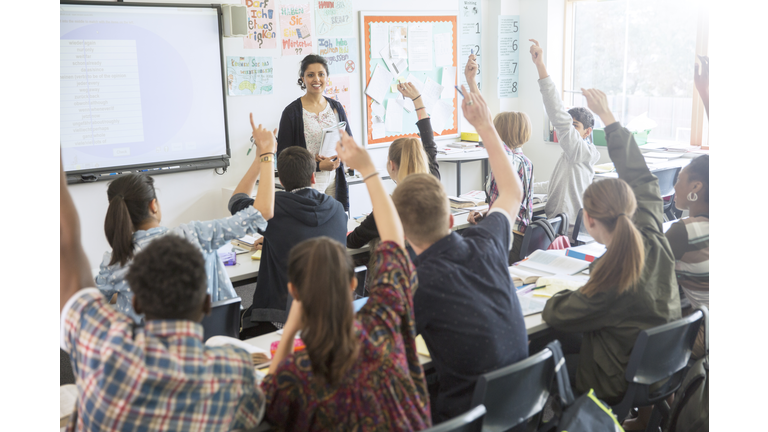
[409, 155]
[612, 202]
[129, 197]
[321, 272]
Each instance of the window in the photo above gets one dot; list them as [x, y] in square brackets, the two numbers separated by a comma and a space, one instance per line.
[641, 53]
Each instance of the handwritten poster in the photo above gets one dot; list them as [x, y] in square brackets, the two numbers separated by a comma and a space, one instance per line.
[469, 35]
[296, 25]
[341, 54]
[509, 54]
[262, 26]
[333, 18]
[248, 76]
[337, 88]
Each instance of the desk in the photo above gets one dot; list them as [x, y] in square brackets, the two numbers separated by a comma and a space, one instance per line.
[458, 158]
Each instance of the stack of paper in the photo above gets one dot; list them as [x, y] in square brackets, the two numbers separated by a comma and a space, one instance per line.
[258, 355]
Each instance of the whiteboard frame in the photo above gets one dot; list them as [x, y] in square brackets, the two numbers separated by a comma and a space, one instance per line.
[364, 78]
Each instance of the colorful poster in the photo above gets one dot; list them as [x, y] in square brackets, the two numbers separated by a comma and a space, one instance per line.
[509, 54]
[248, 76]
[334, 18]
[338, 88]
[341, 54]
[262, 28]
[469, 35]
[296, 25]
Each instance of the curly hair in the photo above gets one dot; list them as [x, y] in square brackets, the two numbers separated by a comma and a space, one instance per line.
[583, 116]
[168, 278]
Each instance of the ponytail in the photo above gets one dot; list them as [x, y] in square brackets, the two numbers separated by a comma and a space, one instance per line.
[129, 198]
[613, 204]
[409, 155]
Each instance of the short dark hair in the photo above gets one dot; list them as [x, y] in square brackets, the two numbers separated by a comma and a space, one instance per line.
[168, 278]
[583, 116]
[295, 167]
[423, 208]
[310, 60]
[698, 170]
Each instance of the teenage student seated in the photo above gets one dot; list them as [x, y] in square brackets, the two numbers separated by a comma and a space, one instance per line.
[133, 222]
[406, 156]
[632, 286]
[574, 169]
[514, 128]
[357, 372]
[466, 307]
[301, 213]
[158, 376]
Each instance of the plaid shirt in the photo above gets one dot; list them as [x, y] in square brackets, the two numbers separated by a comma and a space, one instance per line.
[157, 377]
[524, 169]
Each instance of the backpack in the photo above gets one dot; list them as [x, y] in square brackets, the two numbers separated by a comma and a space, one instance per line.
[690, 410]
[586, 413]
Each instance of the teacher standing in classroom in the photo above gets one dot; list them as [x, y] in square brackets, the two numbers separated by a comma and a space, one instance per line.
[303, 121]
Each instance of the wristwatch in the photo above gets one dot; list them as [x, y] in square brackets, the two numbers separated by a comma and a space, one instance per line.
[268, 158]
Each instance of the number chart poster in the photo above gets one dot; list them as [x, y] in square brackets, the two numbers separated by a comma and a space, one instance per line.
[296, 25]
[247, 76]
[333, 18]
[469, 36]
[509, 55]
[262, 28]
[337, 88]
[341, 54]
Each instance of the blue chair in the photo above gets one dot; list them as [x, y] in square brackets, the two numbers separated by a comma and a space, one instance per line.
[470, 421]
[515, 393]
[224, 319]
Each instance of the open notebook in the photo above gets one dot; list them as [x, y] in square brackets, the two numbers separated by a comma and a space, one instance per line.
[545, 263]
[258, 355]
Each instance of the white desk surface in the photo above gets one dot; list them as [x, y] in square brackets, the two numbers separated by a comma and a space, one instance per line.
[455, 157]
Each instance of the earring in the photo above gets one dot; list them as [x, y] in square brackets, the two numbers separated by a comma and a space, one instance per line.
[692, 196]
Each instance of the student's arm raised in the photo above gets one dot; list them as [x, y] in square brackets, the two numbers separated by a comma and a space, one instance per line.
[470, 73]
[510, 190]
[261, 137]
[387, 219]
[629, 163]
[75, 273]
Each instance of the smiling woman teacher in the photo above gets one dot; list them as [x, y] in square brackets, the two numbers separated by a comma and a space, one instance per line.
[303, 121]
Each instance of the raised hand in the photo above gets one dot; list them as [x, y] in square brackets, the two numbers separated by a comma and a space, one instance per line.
[329, 164]
[597, 101]
[537, 53]
[264, 138]
[353, 155]
[408, 90]
[476, 110]
[470, 70]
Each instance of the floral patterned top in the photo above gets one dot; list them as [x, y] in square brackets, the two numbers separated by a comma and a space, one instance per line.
[385, 389]
[314, 125]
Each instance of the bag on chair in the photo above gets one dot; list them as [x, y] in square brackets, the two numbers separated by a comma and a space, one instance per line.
[587, 413]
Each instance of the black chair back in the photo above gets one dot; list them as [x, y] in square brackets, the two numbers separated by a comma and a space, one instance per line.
[667, 178]
[470, 421]
[360, 274]
[224, 319]
[660, 353]
[539, 235]
[515, 393]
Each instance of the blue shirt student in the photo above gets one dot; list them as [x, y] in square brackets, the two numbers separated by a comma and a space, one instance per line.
[209, 236]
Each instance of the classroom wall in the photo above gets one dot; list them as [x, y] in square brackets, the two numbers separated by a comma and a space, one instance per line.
[198, 195]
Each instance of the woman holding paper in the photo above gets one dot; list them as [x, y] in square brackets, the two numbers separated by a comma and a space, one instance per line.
[303, 121]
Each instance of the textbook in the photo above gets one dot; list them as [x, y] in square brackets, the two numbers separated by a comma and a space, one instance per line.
[246, 242]
[524, 276]
[551, 285]
[539, 198]
[258, 355]
[470, 199]
[552, 262]
[588, 252]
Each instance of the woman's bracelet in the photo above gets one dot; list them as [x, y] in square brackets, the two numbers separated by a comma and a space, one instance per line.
[375, 173]
[270, 153]
[416, 98]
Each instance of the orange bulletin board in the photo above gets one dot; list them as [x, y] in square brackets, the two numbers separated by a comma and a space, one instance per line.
[442, 22]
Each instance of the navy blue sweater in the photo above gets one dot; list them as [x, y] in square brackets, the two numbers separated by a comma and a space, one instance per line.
[291, 133]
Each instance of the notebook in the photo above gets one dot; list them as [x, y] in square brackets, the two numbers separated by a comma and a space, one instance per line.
[258, 355]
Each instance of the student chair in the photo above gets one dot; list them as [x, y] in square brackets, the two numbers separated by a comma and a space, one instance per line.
[515, 393]
[470, 421]
[657, 366]
[580, 236]
[360, 274]
[541, 233]
[667, 179]
[224, 319]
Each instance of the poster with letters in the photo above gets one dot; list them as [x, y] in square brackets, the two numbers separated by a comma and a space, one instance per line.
[262, 25]
[469, 38]
[509, 55]
[341, 54]
[333, 18]
[296, 28]
[247, 76]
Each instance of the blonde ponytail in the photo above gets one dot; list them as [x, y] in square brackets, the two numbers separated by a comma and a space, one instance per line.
[613, 203]
[409, 155]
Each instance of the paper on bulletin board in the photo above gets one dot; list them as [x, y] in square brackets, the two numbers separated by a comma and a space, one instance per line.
[443, 51]
[420, 47]
[333, 18]
[509, 54]
[247, 76]
[379, 39]
[340, 53]
[469, 31]
[398, 41]
[337, 87]
[448, 80]
[379, 84]
[394, 117]
[296, 25]
[262, 26]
